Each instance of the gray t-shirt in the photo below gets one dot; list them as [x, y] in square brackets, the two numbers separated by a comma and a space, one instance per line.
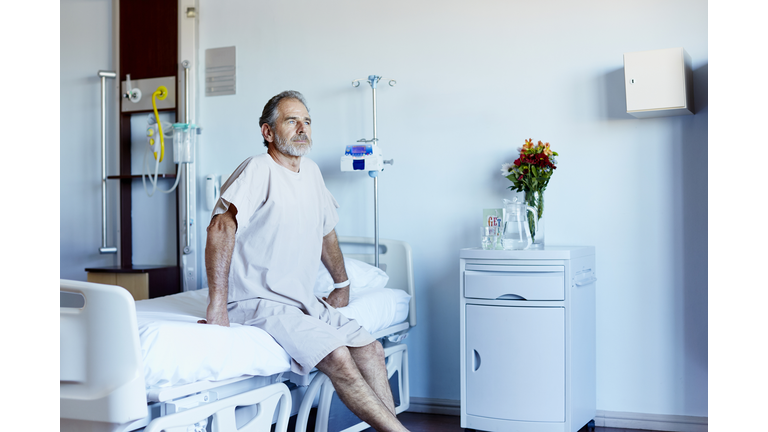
[282, 217]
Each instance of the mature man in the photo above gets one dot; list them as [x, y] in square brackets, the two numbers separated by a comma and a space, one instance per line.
[274, 220]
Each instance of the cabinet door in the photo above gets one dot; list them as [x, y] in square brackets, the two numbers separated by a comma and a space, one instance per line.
[516, 362]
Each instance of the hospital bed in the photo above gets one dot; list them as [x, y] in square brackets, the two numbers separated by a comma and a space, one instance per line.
[147, 365]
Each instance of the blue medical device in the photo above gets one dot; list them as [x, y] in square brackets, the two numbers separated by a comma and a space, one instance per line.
[362, 157]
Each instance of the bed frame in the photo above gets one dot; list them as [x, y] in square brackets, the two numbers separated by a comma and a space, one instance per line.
[102, 377]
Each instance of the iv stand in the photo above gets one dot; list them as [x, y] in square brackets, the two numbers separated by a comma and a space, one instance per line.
[373, 81]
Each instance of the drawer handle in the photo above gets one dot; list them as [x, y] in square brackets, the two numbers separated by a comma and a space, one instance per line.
[585, 277]
[510, 297]
[476, 361]
[586, 281]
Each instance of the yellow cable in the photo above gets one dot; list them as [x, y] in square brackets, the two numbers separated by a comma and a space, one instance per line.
[161, 94]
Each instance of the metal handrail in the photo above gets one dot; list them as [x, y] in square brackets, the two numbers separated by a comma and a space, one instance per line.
[104, 249]
[188, 219]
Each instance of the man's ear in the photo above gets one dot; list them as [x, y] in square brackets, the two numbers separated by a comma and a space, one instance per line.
[267, 133]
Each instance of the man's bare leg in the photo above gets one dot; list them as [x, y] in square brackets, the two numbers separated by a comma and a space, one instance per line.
[355, 392]
[370, 361]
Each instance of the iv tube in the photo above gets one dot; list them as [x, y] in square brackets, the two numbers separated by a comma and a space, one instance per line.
[153, 179]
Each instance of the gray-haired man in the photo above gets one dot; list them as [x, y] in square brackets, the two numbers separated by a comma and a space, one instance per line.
[274, 219]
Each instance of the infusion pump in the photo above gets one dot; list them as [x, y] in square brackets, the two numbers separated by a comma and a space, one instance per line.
[362, 157]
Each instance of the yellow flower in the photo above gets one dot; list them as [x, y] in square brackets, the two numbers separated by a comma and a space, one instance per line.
[528, 144]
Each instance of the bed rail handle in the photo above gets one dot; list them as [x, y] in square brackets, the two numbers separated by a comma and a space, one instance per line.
[223, 412]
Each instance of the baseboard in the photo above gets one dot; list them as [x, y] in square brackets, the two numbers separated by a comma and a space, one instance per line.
[612, 419]
[435, 406]
[656, 422]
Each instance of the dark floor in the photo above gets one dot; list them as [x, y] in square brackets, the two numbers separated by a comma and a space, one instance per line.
[418, 422]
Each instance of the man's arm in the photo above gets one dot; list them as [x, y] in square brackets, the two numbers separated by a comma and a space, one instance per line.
[218, 256]
[334, 262]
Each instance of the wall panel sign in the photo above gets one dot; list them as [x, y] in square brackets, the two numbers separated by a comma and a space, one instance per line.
[220, 77]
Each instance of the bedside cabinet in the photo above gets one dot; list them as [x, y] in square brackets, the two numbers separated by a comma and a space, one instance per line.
[142, 281]
[528, 339]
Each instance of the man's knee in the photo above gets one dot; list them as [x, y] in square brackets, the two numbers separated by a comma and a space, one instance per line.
[376, 349]
[373, 352]
[338, 361]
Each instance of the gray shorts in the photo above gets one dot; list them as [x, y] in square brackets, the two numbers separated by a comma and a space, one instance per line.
[307, 339]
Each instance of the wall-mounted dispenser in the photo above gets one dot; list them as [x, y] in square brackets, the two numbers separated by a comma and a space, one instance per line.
[658, 83]
[211, 191]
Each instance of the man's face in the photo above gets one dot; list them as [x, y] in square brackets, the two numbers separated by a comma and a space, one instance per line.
[293, 130]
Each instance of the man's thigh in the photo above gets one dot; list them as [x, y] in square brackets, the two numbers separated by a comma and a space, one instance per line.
[307, 339]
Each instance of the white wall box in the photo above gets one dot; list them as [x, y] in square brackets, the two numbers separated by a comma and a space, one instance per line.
[528, 339]
[658, 83]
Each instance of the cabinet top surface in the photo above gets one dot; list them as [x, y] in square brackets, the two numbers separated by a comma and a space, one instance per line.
[549, 252]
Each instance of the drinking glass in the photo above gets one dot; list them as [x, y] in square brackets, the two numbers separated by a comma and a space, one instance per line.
[489, 237]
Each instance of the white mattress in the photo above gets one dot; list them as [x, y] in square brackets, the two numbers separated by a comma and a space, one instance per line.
[177, 350]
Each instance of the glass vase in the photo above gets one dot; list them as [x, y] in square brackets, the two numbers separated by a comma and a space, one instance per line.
[535, 199]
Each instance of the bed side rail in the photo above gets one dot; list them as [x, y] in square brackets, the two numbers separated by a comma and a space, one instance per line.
[101, 372]
[223, 412]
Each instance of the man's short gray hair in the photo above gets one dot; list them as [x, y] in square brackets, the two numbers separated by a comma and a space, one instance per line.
[269, 114]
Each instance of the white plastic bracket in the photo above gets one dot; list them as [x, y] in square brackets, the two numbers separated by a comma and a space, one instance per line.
[133, 94]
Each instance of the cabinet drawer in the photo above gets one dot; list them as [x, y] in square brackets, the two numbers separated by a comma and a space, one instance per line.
[514, 282]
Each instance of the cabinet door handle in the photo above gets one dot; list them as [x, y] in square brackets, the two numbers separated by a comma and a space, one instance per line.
[476, 361]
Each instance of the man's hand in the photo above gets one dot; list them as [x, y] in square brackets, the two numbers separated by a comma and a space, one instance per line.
[216, 316]
[333, 260]
[338, 298]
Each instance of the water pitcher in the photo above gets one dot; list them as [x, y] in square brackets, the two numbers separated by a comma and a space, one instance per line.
[516, 233]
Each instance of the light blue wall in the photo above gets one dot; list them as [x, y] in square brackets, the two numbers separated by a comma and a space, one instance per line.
[473, 81]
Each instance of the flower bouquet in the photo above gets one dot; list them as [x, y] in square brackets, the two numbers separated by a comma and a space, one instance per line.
[530, 173]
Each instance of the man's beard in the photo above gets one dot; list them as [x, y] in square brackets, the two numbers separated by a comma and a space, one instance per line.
[288, 147]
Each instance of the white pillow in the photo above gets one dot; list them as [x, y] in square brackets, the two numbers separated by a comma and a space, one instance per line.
[361, 275]
[377, 309]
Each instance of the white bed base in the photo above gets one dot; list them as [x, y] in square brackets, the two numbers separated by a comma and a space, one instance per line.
[102, 380]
